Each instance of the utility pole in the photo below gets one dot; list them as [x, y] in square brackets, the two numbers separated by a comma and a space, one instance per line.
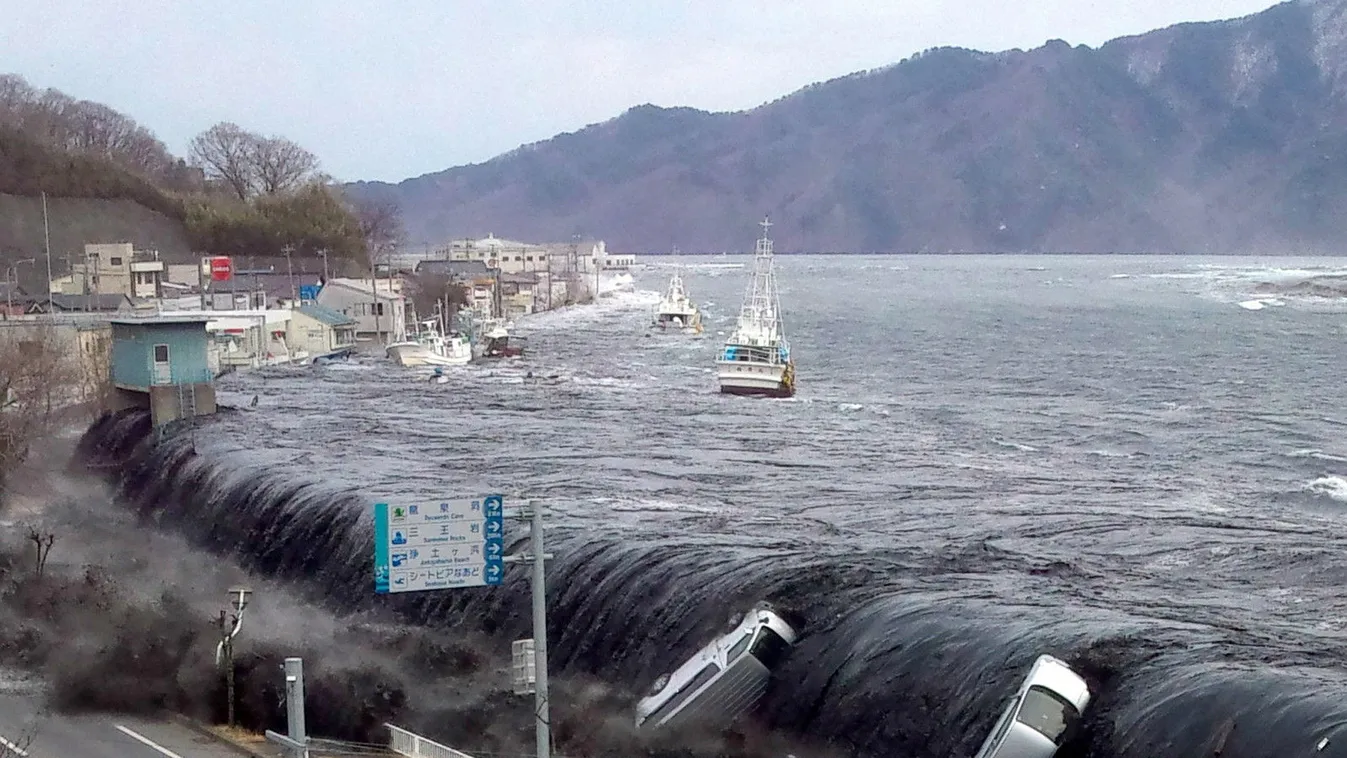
[374, 292]
[290, 267]
[294, 699]
[323, 253]
[295, 740]
[46, 236]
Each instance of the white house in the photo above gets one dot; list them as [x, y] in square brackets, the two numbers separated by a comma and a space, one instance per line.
[378, 307]
[321, 331]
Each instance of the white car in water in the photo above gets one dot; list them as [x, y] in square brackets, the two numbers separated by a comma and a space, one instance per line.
[724, 679]
[1040, 714]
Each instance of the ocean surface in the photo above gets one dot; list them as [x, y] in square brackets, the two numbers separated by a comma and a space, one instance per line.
[1138, 464]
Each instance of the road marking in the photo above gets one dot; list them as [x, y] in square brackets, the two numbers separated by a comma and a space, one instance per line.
[147, 741]
[13, 748]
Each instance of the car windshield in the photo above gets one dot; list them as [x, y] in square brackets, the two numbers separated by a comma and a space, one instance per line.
[1047, 713]
[769, 648]
[739, 648]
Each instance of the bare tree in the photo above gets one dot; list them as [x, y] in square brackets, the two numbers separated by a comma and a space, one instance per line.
[380, 226]
[280, 165]
[42, 542]
[96, 129]
[226, 152]
[429, 290]
[38, 379]
[16, 99]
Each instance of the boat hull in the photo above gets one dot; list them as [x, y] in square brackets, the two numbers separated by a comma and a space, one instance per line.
[756, 379]
[690, 324]
[415, 354]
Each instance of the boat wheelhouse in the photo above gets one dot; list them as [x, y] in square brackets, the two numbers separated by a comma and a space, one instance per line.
[756, 359]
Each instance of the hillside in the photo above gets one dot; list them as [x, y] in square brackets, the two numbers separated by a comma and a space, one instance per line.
[1220, 137]
[109, 179]
[90, 198]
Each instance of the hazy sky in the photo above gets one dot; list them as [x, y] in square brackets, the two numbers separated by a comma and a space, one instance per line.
[396, 88]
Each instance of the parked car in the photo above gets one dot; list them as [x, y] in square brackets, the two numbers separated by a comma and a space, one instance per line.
[1041, 714]
[722, 680]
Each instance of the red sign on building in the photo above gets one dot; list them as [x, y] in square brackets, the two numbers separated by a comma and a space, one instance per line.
[221, 268]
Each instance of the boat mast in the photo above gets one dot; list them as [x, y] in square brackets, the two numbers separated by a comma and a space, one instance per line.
[761, 305]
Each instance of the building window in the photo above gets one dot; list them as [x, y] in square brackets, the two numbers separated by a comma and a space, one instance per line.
[116, 261]
[161, 353]
[378, 309]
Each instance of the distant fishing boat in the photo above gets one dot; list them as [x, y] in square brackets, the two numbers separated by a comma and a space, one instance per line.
[756, 359]
[676, 310]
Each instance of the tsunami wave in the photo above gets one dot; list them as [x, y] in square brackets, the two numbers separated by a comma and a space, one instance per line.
[887, 665]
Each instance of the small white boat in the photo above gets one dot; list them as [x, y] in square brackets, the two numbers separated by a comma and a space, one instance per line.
[497, 342]
[430, 347]
[677, 311]
[756, 359]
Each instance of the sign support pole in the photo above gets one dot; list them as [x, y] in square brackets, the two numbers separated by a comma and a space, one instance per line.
[294, 699]
[540, 704]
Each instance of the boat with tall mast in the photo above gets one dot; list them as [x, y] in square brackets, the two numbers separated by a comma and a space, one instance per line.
[432, 345]
[677, 311]
[756, 359]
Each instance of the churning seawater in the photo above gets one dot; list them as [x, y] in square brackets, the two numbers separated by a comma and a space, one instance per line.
[1138, 464]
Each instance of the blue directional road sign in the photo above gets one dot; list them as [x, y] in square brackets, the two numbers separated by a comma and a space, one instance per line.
[439, 546]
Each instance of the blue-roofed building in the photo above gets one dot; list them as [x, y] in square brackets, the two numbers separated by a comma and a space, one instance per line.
[160, 363]
[320, 331]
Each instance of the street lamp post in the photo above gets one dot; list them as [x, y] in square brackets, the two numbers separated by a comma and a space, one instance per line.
[11, 279]
[224, 652]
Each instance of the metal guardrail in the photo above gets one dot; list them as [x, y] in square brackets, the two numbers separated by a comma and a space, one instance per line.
[413, 745]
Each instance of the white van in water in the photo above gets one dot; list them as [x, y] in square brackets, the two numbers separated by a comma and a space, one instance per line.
[1040, 714]
[724, 679]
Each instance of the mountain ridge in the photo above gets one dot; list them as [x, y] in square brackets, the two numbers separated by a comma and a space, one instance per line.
[1208, 137]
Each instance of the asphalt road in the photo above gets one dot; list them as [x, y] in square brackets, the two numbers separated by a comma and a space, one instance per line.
[28, 732]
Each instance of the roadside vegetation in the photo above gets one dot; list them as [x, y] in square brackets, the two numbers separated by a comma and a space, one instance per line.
[41, 378]
[237, 192]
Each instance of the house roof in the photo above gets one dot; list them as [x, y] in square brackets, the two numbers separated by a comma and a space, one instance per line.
[455, 269]
[326, 315]
[363, 287]
[158, 320]
[275, 285]
[104, 302]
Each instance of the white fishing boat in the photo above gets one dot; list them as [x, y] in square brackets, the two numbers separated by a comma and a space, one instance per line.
[677, 311]
[497, 342]
[431, 346]
[756, 359]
